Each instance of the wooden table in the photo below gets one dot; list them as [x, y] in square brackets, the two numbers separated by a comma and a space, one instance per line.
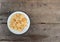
[44, 16]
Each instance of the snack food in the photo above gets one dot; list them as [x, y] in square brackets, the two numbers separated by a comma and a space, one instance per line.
[18, 22]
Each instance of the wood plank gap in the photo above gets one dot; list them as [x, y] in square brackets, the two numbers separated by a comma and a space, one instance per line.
[33, 23]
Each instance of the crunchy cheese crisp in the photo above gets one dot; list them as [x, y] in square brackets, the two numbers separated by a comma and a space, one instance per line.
[18, 22]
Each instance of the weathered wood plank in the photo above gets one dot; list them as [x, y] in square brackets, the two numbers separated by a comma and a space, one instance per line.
[38, 12]
[38, 32]
[46, 29]
[45, 1]
[32, 30]
[5, 35]
[52, 39]
[15, 41]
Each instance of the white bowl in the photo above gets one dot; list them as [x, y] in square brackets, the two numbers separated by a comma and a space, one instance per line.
[25, 29]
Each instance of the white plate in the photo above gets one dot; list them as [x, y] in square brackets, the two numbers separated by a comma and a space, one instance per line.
[25, 29]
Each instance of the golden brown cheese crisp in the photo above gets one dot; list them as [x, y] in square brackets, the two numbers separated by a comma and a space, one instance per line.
[18, 22]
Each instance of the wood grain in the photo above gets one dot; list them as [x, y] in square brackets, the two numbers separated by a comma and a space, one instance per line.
[44, 16]
[45, 1]
[6, 35]
[13, 41]
[46, 29]
[38, 32]
[38, 12]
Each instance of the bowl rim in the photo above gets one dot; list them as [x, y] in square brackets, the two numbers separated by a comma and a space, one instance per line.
[25, 29]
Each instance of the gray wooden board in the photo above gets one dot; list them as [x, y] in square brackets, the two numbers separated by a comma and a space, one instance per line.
[37, 32]
[44, 16]
[38, 12]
